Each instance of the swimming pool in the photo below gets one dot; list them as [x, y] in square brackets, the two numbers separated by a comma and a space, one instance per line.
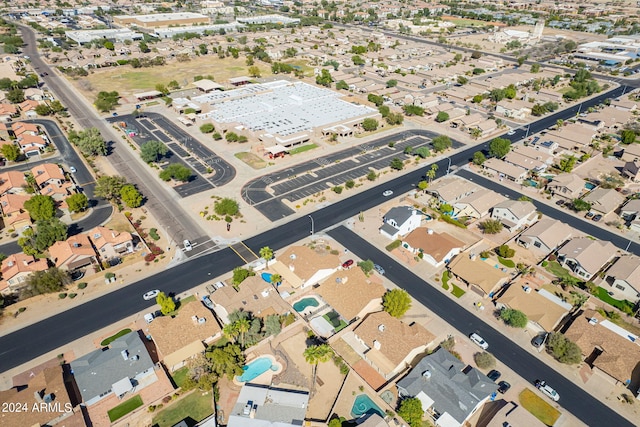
[364, 405]
[304, 303]
[589, 186]
[256, 368]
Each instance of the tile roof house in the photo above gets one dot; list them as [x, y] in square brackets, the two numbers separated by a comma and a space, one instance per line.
[400, 221]
[623, 278]
[515, 214]
[450, 189]
[185, 335]
[567, 185]
[379, 335]
[15, 215]
[22, 128]
[543, 309]
[12, 182]
[604, 200]
[631, 170]
[110, 243]
[31, 145]
[352, 282]
[480, 276]
[74, 253]
[123, 369]
[545, 235]
[301, 266]
[630, 210]
[585, 257]
[436, 248]
[477, 204]
[503, 169]
[611, 349]
[264, 406]
[531, 164]
[16, 268]
[450, 391]
[631, 153]
[52, 181]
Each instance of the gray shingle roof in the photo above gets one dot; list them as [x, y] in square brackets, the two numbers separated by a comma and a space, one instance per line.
[399, 213]
[274, 407]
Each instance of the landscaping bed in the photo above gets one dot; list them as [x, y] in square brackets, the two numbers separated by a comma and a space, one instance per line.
[195, 406]
[538, 407]
[124, 408]
[105, 342]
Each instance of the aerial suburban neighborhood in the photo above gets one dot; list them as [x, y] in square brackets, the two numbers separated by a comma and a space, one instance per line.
[281, 213]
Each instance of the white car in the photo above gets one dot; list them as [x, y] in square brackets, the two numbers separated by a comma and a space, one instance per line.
[72, 169]
[477, 340]
[511, 132]
[151, 295]
[387, 193]
[187, 245]
[547, 390]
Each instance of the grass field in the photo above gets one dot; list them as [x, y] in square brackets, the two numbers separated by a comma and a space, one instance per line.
[252, 160]
[506, 262]
[624, 305]
[538, 407]
[302, 149]
[124, 408]
[180, 376]
[196, 406]
[557, 270]
[112, 338]
[458, 291]
[445, 279]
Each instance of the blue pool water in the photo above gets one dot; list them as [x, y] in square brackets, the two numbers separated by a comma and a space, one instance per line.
[255, 369]
[532, 183]
[589, 186]
[364, 405]
[304, 303]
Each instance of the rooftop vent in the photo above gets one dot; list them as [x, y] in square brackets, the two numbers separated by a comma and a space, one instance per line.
[381, 328]
[376, 344]
[125, 354]
[426, 374]
[593, 321]
[526, 289]
[292, 256]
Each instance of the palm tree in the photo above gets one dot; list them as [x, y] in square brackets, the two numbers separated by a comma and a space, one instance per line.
[266, 253]
[230, 331]
[242, 325]
[315, 354]
[431, 173]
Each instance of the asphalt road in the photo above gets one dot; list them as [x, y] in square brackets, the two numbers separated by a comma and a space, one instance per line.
[581, 404]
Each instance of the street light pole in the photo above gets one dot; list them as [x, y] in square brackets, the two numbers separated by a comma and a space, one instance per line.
[312, 231]
[449, 165]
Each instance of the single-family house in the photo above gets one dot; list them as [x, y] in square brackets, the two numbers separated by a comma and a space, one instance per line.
[111, 243]
[545, 235]
[301, 266]
[533, 153]
[28, 105]
[12, 182]
[451, 189]
[631, 153]
[543, 309]
[567, 185]
[31, 145]
[623, 278]
[516, 158]
[503, 169]
[378, 343]
[400, 221]
[515, 110]
[16, 268]
[630, 210]
[585, 257]
[477, 204]
[610, 349]
[74, 253]
[631, 170]
[436, 248]
[450, 391]
[480, 276]
[182, 337]
[604, 200]
[353, 281]
[23, 128]
[122, 369]
[263, 406]
[15, 215]
[52, 181]
[515, 214]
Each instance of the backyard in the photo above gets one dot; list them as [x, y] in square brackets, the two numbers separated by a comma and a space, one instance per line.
[180, 376]
[124, 408]
[538, 407]
[196, 406]
[622, 305]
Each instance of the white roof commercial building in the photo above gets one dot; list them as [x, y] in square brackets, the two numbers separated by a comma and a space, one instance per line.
[118, 34]
[268, 19]
[165, 33]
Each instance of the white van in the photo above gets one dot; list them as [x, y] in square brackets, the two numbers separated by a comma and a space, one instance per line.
[149, 317]
[477, 340]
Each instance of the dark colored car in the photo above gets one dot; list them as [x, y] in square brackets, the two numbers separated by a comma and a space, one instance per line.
[597, 218]
[539, 340]
[503, 387]
[560, 202]
[493, 375]
[348, 263]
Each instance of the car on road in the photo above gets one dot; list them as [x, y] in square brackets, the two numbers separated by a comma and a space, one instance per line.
[511, 132]
[72, 169]
[503, 387]
[187, 246]
[387, 193]
[547, 390]
[151, 295]
[348, 263]
[539, 340]
[560, 202]
[477, 340]
[379, 269]
[493, 375]
[597, 218]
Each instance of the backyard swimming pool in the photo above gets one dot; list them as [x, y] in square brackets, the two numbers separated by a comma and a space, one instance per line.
[589, 186]
[364, 405]
[301, 305]
[256, 368]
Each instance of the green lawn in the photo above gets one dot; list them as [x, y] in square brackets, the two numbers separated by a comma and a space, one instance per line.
[624, 305]
[107, 341]
[506, 262]
[337, 323]
[557, 270]
[538, 407]
[124, 408]
[458, 292]
[302, 149]
[180, 376]
[445, 279]
[194, 405]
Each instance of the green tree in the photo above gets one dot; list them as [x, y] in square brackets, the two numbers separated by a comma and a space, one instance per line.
[476, 55]
[315, 354]
[366, 266]
[152, 151]
[369, 124]
[43, 110]
[166, 303]
[411, 411]
[376, 99]
[226, 361]
[108, 187]
[422, 185]
[479, 158]
[10, 152]
[499, 147]
[396, 164]
[477, 99]
[422, 152]
[240, 274]
[505, 251]
[15, 96]
[90, 142]
[392, 83]
[40, 207]
[266, 252]
[342, 85]
[394, 119]
[207, 128]
[47, 232]
[226, 206]
[413, 110]
[254, 71]
[372, 175]
[130, 195]
[442, 116]
[462, 80]
[77, 202]
[106, 101]
[272, 325]
[580, 205]
[497, 95]
[231, 332]
[484, 360]
[357, 60]
[567, 163]
[440, 143]
[242, 326]
[47, 281]
[491, 226]
[628, 136]
[176, 171]
[514, 318]
[335, 422]
[535, 68]
[324, 78]
[396, 302]
[563, 349]
[431, 173]
[510, 92]
[162, 89]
